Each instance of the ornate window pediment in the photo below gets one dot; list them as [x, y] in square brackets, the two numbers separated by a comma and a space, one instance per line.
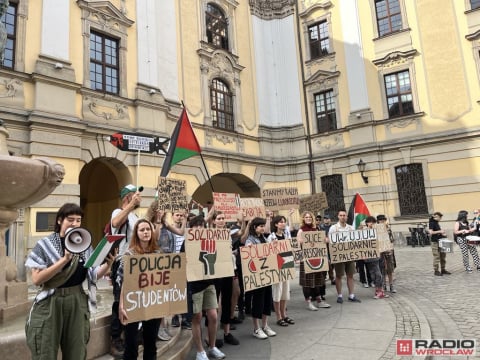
[322, 77]
[312, 6]
[104, 13]
[395, 57]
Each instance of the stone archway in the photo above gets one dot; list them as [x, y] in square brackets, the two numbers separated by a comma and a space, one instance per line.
[100, 182]
[227, 183]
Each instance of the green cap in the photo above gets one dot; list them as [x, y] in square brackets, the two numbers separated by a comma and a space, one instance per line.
[128, 189]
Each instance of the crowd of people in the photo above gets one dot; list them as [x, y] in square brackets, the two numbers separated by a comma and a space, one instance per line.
[62, 305]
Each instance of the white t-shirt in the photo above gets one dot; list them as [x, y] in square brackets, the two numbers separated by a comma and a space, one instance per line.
[132, 219]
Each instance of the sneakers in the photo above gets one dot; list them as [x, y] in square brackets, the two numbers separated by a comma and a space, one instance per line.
[259, 334]
[380, 295]
[312, 307]
[392, 289]
[230, 339]
[365, 285]
[268, 331]
[117, 348]
[354, 299]
[218, 343]
[175, 321]
[186, 325]
[469, 270]
[372, 284]
[340, 299]
[215, 353]
[445, 272]
[322, 304]
[438, 273]
[163, 335]
[201, 356]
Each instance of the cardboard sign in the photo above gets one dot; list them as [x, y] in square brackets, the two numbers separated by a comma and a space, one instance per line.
[252, 208]
[228, 204]
[314, 248]
[280, 198]
[384, 243]
[154, 286]
[209, 253]
[296, 250]
[314, 203]
[172, 194]
[267, 264]
[353, 245]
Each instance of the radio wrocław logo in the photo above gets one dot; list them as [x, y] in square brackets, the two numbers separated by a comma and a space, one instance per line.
[436, 347]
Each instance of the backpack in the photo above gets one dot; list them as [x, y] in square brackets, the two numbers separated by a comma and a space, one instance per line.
[108, 230]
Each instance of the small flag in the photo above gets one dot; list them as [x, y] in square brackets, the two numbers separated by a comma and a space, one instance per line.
[285, 260]
[357, 212]
[183, 144]
[102, 250]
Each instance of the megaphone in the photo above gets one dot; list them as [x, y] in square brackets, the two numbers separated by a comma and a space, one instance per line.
[77, 240]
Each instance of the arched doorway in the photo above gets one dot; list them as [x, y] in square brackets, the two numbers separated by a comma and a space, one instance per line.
[226, 183]
[100, 182]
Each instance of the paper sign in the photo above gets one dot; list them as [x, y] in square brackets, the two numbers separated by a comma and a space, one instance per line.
[154, 286]
[280, 198]
[228, 204]
[297, 250]
[353, 245]
[252, 208]
[314, 203]
[314, 248]
[267, 264]
[172, 194]
[384, 243]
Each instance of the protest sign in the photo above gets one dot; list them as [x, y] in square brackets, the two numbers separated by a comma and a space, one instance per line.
[280, 198]
[267, 264]
[314, 248]
[172, 195]
[228, 204]
[353, 245]
[209, 253]
[384, 243]
[154, 286]
[296, 250]
[252, 208]
[314, 203]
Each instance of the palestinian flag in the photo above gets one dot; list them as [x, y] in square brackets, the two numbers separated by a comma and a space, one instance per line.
[285, 260]
[102, 250]
[183, 144]
[357, 212]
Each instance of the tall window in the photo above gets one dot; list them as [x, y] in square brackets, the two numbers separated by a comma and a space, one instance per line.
[9, 20]
[474, 4]
[104, 66]
[399, 94]
[217, 27]
[222, 105]
[332, 186]
[411, 189]
[318, 40]
[389, 16]
[325, 111]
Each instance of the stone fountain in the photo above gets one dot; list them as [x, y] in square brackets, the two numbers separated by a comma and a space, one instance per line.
[23, 182]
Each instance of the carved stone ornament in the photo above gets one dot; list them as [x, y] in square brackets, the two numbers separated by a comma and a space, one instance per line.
[403, 123]
[330, 142]
[105, 14]
[104, 109]
[10, 88]
[272, 9]
[395, 58]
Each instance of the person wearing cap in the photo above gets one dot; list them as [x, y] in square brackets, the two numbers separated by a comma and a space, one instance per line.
[123, 220]
[387, 258]
[436, 233]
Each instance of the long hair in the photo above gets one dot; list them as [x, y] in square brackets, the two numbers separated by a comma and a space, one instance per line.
[462, 216]
[314, 224]
[135, 241]
[66, 210]
[255, 222]
[214, 217]
[275, 221]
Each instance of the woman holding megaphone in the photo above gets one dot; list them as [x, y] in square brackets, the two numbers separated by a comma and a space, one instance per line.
[60, 314]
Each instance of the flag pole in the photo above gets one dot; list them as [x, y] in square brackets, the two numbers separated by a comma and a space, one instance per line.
[138, 168]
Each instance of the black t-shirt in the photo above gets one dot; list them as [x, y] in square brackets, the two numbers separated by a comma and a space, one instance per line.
[435, 226]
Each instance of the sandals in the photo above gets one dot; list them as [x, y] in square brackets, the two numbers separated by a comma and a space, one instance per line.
[289, 321]
[282, 322]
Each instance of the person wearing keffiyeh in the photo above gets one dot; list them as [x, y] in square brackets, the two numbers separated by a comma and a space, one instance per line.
[60, 314]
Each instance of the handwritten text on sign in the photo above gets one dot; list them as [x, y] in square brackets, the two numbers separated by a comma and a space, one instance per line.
[280, 198]
[154, 286]
[252, 208]
[353, 245]
[267, 264]
[228, 204]
[315, 256]
[209, 253]
[172, 195]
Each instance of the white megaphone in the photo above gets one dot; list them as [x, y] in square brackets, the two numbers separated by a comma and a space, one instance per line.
[77, 240]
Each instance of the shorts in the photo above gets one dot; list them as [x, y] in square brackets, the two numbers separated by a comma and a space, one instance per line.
[341, 268]
[205, 299]
[388, 263]
[281, 291]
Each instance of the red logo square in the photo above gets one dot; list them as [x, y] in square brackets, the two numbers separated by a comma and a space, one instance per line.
[404, 347]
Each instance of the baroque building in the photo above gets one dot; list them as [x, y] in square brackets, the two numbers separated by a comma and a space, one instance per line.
[279, 93]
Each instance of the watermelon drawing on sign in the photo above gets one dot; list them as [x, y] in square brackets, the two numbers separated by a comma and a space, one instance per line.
[314, 264]
[252, 267]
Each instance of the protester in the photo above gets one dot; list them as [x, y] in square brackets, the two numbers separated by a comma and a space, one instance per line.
[461, 230]
[123, 220]
[312, 283]
[387, 259]
[281, 291]
[142, 242]
[345, 267]
[436, 233]
[61, 306]
[325, 226]
[261, 297]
